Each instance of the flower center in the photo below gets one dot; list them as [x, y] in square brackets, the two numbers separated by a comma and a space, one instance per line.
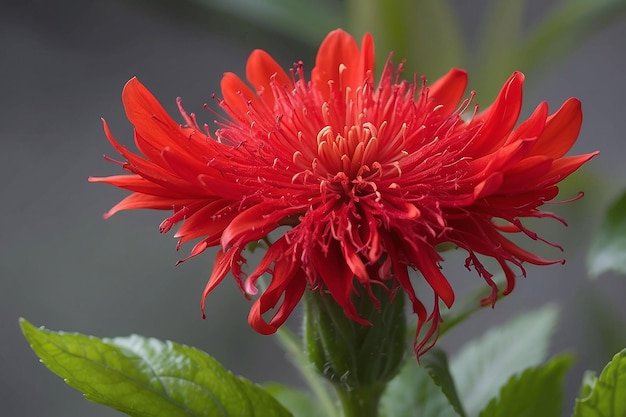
[353, 151]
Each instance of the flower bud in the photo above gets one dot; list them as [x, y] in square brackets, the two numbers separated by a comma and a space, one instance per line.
[350, 354]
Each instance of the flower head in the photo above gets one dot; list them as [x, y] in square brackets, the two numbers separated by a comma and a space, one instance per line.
[369, 179]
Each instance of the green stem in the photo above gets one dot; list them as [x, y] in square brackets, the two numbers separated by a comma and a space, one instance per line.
[360, 402]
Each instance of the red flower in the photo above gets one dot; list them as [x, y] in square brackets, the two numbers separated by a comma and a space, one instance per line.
[369, 178]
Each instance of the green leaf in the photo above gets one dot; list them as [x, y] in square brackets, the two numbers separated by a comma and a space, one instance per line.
[300, 403]
[484, 365]
[145, 377]
[589, 380]
[436, 363]
[537, 392]
[413, 393]
[608, 247]
[607, 394]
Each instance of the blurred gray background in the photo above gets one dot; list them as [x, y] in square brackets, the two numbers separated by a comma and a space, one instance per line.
[62, 67]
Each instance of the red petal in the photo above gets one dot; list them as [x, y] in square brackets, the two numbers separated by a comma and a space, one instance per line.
[533, 126]
[147, 169]
[563, 167]
[222, 265]
[237, 95]
[256, 222]
[354, 262]
[141, 201]
[288, 282]
[502, 159]
[221, 187]
[337, 50]
[448, 90]
[523, 254]
[261, 69]
[401, 274]
[291, 288]
[138, 184]
[142, 108]
[532, 198]
[186, 167]
[150, 119]
[426, 263]
[209, 222]
[562, 129]
[368, 59]
[523, 177]
[489, 186]
[331, 269]
[500, 118]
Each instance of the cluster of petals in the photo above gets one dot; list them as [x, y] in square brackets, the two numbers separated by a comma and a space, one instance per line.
[357, 182]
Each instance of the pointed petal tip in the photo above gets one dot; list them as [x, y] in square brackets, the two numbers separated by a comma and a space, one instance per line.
[132, 86]
[250, 288]
[132, 82]
[518, 75]
[513, 84]
[109, 214]
[338, 33]
[574, 102]
[237, 95]
[367, 39]
[458, 73]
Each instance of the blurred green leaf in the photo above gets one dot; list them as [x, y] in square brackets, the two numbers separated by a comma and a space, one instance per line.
[484, 365]
[537, 392]
[300, 403]
[315, 381]
[504, 48]
[501, 33]
[607, 394]
[307, 21]
[426, 33]
[603, 323]
[564, 30]
[145, 377]
[413, 393]
[436, 363]
[608, 247]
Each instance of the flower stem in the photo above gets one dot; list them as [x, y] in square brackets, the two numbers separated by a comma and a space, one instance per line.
[360, 402]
